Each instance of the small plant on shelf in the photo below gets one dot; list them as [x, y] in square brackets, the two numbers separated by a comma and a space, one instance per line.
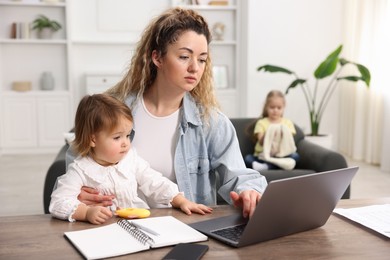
[45, 26]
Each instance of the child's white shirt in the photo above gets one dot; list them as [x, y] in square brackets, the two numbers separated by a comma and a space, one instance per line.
[124, 180]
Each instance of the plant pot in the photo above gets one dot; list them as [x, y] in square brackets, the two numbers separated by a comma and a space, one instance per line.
[321, 140]
[45, 33]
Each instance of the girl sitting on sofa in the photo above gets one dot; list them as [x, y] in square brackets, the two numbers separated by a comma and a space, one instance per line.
[275, 147]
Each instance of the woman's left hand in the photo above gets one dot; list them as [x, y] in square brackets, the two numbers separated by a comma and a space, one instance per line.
[247, 200]
[191, 207]
[188, 207]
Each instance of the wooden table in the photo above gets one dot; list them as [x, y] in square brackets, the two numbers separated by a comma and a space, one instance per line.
[41, 237]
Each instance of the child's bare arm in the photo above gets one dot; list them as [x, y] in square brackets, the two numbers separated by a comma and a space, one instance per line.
[179, 201]
[260, 138]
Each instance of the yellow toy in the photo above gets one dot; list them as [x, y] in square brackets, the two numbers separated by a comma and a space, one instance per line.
[133, 213]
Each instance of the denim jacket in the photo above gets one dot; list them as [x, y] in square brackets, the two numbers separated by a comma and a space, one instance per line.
[208, 156]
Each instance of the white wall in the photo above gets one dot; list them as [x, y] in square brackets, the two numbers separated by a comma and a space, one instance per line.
[385, 162]
[297, 35]
[104, 34]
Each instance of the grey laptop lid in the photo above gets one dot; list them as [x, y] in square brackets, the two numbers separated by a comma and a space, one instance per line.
[287, 206]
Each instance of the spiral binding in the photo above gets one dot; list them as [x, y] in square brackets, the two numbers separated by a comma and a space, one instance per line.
[135, 232]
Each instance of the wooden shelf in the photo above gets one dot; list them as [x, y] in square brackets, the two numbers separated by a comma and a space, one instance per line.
[33, 41]
[104, 42]
[211, 7]
[47, 93]
[38, 4]
[45, 113]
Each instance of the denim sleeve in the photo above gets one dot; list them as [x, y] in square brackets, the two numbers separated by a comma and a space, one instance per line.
[227, 160]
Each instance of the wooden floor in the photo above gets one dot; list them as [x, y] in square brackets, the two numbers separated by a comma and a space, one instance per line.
[22, 178]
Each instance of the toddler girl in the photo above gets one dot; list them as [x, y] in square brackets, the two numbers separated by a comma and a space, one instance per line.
[106, 162]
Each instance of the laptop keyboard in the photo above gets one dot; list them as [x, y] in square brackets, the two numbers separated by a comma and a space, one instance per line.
[232, 233]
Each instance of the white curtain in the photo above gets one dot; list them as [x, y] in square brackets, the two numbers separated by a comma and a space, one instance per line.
[364, 112]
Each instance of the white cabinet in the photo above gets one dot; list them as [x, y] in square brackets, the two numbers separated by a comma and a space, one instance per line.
[89, 54]
[18, 122]
[96, 83]
[34, 123]
[53, 120]
[33, 120]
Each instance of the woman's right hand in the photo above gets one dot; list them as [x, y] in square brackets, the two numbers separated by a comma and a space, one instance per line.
[90, 196]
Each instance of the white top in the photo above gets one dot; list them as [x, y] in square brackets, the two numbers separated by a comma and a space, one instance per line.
[122, 180]
[161, 133]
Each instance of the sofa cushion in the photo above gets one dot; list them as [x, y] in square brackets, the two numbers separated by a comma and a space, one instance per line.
[244, 129]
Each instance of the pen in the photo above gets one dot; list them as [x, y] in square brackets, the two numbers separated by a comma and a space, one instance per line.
[145, 229]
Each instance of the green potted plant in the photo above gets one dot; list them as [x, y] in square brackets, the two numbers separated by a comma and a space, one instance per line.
[45, 26]
[317, 99]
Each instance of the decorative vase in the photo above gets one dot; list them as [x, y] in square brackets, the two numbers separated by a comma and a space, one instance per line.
[47, 81]
[45, 33]
[218, 31]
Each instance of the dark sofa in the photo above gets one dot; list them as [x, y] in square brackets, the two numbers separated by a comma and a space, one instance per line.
[56, 169]
[313, 158]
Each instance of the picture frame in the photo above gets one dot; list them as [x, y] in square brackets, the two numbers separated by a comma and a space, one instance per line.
[220, 75]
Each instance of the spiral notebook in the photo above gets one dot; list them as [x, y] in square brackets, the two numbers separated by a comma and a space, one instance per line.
[130, 236]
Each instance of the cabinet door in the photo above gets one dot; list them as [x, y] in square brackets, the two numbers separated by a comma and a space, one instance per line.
[229, 103]
[100, 83]
[19, 122]
[53, 120]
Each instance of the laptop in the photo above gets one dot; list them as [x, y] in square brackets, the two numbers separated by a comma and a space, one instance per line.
[287, 206]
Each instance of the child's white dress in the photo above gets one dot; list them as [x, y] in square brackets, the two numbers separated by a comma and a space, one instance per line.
[124, 180]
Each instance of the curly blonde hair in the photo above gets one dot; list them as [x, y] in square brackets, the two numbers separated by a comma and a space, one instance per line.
[162, 31]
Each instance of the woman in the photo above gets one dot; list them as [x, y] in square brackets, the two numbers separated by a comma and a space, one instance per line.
[179, 129]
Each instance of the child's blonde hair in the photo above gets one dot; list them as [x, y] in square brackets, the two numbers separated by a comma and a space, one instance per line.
[270, 95]
[96, 113]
